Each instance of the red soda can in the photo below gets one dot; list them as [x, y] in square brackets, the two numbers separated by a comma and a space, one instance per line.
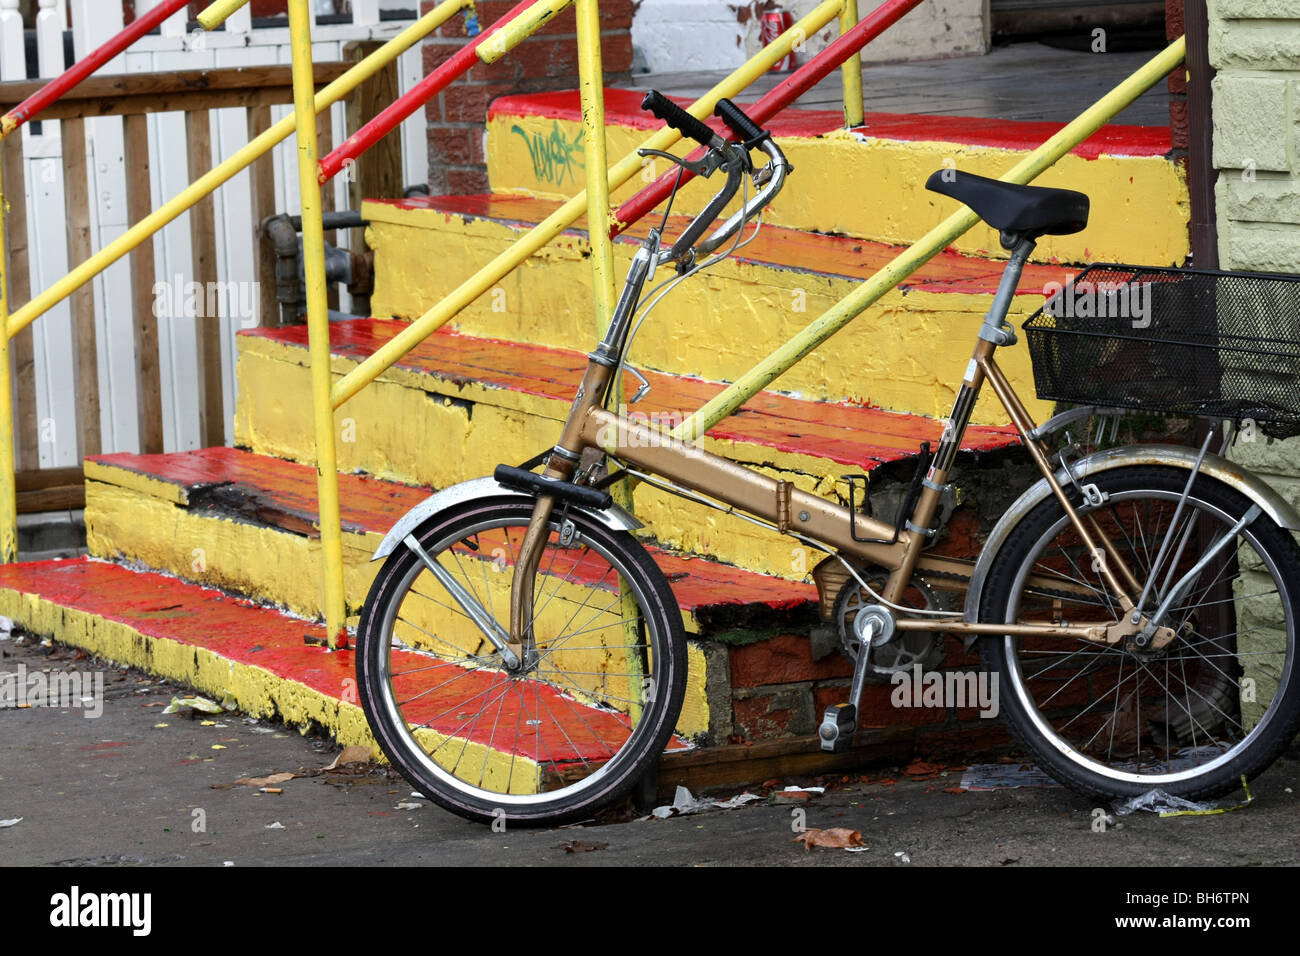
[773, 24]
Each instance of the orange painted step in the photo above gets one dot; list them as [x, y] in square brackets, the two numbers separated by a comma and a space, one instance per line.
[775, 246]
[558, 731]
[862, 437]
[232, 483]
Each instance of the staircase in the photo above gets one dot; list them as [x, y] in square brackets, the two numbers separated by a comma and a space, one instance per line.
[204, 564]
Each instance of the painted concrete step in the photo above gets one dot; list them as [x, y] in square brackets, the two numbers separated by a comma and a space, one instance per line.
[908, 352]
[254, 522]
[457, 406]
[869, 181]
[273, 665]
[248, 524]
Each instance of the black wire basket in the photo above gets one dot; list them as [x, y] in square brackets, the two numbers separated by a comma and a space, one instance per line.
[1174, 341]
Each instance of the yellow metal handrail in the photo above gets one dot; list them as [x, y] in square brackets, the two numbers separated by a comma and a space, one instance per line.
[12, 324]
[569, 213]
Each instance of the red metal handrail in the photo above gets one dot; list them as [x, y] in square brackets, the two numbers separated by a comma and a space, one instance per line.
[410, 101]
[31, 107]
[794, 86]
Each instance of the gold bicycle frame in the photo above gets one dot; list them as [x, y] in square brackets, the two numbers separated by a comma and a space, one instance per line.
[809, 516]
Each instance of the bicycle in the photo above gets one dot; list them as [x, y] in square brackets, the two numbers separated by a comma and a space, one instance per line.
[521, 657]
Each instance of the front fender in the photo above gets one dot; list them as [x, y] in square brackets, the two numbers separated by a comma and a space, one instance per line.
[614, 518]
[1252, 486]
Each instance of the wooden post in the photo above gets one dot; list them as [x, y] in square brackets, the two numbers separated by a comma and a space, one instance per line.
[86, 372]
[21, 348]
[148, 378]
[378, 172]
[203, 248]
[261, 189]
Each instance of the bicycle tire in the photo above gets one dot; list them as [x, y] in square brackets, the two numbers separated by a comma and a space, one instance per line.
[588, 743]
[1202, 730]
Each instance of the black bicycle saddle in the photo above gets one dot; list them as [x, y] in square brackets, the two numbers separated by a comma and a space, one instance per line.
[1029, 211]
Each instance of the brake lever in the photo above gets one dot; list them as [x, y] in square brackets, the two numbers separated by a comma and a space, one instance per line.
[705, 167]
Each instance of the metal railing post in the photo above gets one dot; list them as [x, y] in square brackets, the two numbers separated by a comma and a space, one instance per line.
[851, 71]
[591, 85]
[318, 326]
[8, 494]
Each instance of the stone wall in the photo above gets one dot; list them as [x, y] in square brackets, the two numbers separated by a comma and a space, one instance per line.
[1255, 47]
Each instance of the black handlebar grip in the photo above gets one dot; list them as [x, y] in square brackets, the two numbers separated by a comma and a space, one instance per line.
[676, 117]
[738, 122]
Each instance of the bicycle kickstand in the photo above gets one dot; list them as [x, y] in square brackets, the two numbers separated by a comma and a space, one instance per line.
[840, 721]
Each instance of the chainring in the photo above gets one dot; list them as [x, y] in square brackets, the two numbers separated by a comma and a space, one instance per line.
[906, 648]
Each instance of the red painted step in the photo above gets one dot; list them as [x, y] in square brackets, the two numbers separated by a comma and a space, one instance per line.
[776, 246]
[860, 436]
[563, 731]
[232, 482]
[623, 108]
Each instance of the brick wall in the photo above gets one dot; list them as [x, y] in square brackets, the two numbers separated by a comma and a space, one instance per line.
[546, 61]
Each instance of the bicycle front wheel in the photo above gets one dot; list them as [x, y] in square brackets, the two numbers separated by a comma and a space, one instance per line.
[593, 705]
[1219, 701]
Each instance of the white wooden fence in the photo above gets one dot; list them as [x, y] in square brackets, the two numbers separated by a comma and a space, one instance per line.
[239, 44]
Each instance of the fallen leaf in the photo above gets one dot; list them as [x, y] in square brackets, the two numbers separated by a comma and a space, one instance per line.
[581, 846]
[954, 789]
[838, 838]
[265, 781]
[919, 768]
[355, 753]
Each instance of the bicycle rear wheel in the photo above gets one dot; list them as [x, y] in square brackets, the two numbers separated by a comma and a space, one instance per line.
[591, 710]
[1221, 700]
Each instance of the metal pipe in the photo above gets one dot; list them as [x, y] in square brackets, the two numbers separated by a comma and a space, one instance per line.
[851, 71]
[218, 13]
[541, 234]
[8, 492]
[532, 19]
[930, 245]
[58, 87]
[228, 169]
[405, 105]
[318, 327]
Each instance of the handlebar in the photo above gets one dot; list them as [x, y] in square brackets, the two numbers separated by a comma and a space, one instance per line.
[732, 156]
[664, 109]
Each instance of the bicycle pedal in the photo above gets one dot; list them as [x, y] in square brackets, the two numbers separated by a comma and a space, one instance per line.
[838, 725]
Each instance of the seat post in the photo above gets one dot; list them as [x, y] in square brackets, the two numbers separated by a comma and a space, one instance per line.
[995, 328]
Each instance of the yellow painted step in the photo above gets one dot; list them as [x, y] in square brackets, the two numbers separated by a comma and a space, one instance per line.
[458, 406]
[906, 353]
[869, 182]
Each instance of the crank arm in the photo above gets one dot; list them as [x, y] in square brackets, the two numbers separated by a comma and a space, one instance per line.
[490, 629]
